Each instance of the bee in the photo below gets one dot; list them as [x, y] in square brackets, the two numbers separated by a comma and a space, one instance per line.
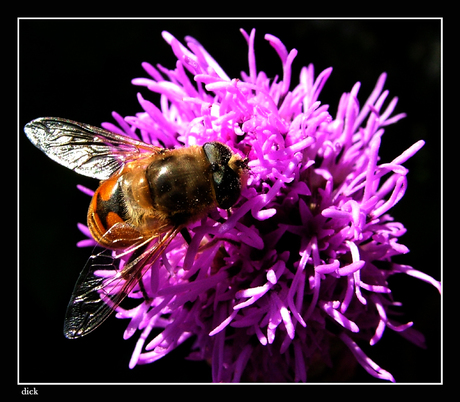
[146, 196]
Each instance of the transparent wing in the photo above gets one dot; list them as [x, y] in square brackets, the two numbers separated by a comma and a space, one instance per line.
[97, 294]
[88, 150]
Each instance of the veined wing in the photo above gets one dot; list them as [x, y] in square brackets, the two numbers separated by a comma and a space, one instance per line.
[95, 297]
[88, 150]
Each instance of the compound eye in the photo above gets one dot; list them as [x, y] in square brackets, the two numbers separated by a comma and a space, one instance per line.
[226, 182]
[217, 153]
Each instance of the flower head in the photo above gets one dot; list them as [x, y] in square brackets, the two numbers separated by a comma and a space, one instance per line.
[304, 256]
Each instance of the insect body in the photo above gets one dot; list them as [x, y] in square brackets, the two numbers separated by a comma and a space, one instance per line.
[146, 193]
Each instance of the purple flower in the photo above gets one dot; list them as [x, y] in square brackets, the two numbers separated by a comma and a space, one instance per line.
[302, 261]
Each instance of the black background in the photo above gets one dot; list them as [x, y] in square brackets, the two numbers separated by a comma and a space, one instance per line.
[81, 70]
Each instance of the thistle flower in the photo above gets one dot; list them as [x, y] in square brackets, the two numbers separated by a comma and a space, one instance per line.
[302, 260]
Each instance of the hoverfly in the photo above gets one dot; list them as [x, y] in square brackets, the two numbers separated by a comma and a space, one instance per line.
[146, 193]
